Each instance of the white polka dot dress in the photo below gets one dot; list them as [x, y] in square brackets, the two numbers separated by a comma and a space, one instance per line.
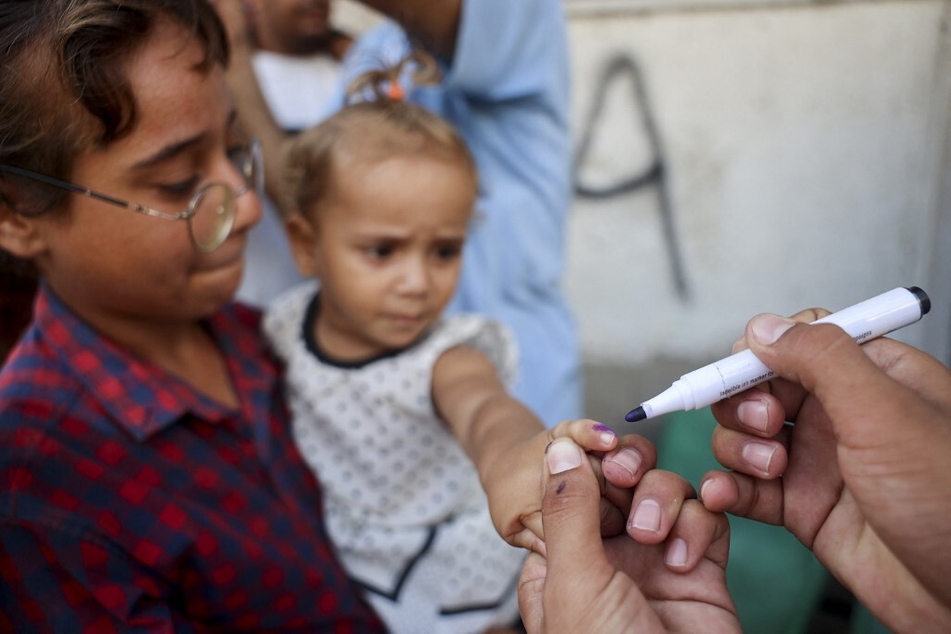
[403, 503]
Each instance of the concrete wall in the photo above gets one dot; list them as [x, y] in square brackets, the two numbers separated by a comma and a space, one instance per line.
[776, 156]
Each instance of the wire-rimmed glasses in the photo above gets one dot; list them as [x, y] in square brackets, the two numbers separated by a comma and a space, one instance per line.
[210, 213]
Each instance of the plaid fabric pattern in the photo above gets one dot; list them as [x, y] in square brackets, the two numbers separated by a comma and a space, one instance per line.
[129, 501]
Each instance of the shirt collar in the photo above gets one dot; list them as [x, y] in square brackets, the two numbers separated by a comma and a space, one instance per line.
[142, 397]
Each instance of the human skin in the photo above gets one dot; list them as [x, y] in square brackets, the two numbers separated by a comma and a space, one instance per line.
[135, 278]
[864, 481]
[291, 27]
[669, 579]
[385, 241]
[386, 244]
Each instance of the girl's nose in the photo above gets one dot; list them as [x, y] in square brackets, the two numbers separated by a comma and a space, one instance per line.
[248, 209]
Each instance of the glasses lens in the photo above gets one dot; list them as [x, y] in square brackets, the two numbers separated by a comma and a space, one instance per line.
[214, 215]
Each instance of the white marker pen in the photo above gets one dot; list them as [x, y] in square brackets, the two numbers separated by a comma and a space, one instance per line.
[864, 321]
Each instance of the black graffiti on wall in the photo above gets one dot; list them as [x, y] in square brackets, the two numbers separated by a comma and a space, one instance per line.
[619, 68]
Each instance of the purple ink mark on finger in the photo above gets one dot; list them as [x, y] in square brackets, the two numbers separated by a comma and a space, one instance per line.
[561, 488]
[601, 427]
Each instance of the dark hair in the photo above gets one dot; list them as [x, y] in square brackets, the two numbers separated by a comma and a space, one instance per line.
[63, 87]
[382, 126]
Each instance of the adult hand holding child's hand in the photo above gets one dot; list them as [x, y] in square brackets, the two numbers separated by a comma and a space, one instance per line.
[671, 577]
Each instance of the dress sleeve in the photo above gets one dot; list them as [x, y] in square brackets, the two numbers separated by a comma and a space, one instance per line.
[497, 343]
[488, 336]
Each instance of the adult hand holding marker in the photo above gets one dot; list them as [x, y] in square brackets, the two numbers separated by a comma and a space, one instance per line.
[863, 322]
[861, 476]
[864, 484]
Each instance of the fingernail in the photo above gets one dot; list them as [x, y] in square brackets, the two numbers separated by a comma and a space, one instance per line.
[753, 414]
[628, 459]
[676, 553]
[758, 455]
[562, 455]
[768, 328]
[647, 516]
[703, 485]
[605, 434]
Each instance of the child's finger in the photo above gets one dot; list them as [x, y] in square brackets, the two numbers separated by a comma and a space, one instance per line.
[588, 434]
[624, 465]
[657, 503]
[697, 534]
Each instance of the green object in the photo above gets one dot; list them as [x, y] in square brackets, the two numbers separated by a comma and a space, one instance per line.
[862, 622]
[776, 582]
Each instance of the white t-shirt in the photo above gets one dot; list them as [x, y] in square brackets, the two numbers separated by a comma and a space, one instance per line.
[300, 90]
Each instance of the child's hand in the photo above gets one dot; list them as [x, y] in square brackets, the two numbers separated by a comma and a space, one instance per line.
[515, 488]
[506, 443]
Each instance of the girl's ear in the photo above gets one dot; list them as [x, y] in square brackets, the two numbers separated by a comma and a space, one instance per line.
[302, 236]
[18, 234]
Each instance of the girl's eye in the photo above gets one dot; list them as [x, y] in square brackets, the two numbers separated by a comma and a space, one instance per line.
[182, 190]
[236, 153]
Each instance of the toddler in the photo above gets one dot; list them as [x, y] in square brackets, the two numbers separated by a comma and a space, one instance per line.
[400, 410]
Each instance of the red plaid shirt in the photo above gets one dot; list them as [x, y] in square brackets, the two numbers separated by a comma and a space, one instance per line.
[128, 501]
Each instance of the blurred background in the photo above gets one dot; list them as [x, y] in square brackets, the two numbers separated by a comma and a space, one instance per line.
[736, 157]
[741, 156]
[790, 154]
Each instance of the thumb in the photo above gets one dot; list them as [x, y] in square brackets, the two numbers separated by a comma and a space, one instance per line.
[571, 513]
[571, 523]
[861, 400]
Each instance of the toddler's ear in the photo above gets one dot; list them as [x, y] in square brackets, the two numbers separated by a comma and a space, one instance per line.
[303, 239]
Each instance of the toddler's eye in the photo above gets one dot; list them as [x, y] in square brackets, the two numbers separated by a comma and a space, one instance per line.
[379, 251]
[448, 251]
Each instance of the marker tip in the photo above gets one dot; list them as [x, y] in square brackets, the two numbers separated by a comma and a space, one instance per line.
[635, 415]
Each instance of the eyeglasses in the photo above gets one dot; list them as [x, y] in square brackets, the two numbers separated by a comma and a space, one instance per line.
[211, 211]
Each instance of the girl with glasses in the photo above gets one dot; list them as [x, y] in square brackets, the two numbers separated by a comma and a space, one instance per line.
[149, 480]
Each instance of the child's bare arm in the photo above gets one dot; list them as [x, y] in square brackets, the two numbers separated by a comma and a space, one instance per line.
[505, 441]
